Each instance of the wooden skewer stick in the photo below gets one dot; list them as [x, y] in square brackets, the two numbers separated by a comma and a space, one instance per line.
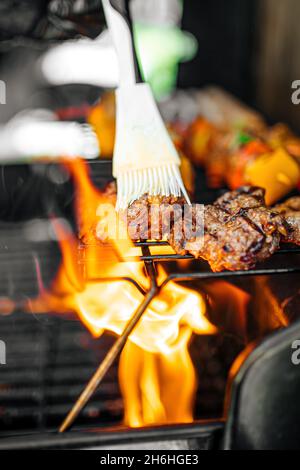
[107, 362]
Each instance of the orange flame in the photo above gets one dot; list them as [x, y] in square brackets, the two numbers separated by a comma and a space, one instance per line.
[150, 387]
[157, 377]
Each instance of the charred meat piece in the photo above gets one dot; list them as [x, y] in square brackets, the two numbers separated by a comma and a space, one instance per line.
[254, 231]
[229, 242]
[239, 232]
[249, 202]
[290, 210]
[246, 197]
[153, 217]
[234, 242]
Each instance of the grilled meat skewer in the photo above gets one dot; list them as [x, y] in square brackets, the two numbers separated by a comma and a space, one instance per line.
[239, 230]
[236, 233]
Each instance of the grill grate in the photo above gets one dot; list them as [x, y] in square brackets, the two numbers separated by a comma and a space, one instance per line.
[288, 263]
[49, 359]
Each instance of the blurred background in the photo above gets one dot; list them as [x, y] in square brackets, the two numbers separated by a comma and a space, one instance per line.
[58, 64]
[250, 48]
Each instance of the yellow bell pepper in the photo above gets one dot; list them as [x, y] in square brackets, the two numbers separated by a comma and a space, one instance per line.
[277, 172]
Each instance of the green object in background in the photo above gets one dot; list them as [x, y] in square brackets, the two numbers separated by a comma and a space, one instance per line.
[240, 139]
[243, 138]
[160, 49]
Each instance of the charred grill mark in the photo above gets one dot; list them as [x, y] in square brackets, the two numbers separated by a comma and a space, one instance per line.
[243, 212]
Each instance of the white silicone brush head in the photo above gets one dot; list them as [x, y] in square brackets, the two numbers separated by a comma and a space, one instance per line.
[145, 159]
[164, 180]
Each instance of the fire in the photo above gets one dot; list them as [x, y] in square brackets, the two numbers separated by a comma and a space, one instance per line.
[157, 377]
[109, 306]
[150, 386]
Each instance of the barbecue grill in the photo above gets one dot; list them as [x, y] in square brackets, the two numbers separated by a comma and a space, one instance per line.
[248, 380]
[50, 358]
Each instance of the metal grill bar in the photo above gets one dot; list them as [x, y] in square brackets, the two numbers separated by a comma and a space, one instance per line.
[227, 274]
[147, 257]
[162, 258]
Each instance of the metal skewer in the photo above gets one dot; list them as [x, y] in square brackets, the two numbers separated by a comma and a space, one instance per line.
[112, 353]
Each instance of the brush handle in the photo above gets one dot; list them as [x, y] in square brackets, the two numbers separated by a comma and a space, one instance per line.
[120, 24]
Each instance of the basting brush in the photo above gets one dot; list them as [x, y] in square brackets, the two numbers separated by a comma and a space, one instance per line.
[145, 159]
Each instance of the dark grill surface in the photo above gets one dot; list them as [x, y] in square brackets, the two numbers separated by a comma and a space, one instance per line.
[49, 360]
[22, 261]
